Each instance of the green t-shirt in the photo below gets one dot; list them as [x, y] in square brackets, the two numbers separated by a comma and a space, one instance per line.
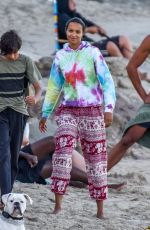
[14, 79]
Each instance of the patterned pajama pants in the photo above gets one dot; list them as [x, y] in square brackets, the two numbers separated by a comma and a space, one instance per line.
[88, 124]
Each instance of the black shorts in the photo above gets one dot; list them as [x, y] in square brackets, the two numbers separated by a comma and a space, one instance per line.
[145, 125]
[102, 44]
[26, 174]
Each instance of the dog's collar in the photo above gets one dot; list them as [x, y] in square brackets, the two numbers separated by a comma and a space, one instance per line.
[11, 220]
[7, 216]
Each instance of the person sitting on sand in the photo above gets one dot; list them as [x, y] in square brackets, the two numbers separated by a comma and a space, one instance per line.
[138, 129]
[35, 164]
[117, 46]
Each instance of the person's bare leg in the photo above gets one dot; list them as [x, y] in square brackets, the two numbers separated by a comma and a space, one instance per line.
[58, 203]
[78, 177]
[118, 186]
[78, 160]
[118, 151]
[76, 173]
[43, 147]
[46, 170]
[113, 49]
[100, 213]
[126, 47]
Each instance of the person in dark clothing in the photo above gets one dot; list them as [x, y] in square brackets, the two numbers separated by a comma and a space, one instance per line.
[35, 164]
[115, 46]
[14, 68]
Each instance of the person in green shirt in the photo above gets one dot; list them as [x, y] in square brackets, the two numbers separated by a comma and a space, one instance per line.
[15, 70]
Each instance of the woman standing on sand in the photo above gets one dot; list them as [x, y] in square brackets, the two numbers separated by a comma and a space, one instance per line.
[80, 72]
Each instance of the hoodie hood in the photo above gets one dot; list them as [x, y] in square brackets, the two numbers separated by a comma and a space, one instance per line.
[63, 7]
[82, 45]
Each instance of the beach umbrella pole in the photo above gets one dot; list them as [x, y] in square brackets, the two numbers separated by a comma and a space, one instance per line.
[55, 12]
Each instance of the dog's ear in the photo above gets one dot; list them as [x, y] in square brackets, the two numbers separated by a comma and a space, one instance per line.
[5, 198]
[28, 198]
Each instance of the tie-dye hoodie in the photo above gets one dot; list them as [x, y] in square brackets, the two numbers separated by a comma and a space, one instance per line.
[82, 76]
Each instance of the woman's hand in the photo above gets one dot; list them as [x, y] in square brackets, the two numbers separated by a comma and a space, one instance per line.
[42, 125]
[108, 118]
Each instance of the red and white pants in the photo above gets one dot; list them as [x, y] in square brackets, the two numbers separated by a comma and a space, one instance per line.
[88, 124]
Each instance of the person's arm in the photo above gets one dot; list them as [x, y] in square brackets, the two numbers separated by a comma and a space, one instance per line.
[87, 22]
[33, 75]
[91, 27]
[96, 30]
[23, 154]
[31, 159]
[132, 68]
[33, 99]
[55, 84]
[107, 85]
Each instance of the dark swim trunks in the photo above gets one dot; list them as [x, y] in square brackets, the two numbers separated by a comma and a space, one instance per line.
[26, 174]
[102, 44]
[145, 125]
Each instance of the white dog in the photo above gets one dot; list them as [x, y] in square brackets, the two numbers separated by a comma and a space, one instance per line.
[14, 208]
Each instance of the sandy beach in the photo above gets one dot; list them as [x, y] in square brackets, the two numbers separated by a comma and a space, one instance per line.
[128, 209]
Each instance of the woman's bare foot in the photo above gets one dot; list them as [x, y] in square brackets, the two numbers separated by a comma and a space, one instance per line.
[58, 202]
[100, 215]
[56, 210]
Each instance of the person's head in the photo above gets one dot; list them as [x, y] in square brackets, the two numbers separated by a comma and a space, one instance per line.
[75, 28]
[10, 44]
[72, 5]
[67, 6]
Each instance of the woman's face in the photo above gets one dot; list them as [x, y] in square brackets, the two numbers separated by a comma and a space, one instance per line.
[72, 5]
[74, 34]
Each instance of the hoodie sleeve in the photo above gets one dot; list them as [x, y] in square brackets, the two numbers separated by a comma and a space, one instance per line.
[55, 84]
[106, 81]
